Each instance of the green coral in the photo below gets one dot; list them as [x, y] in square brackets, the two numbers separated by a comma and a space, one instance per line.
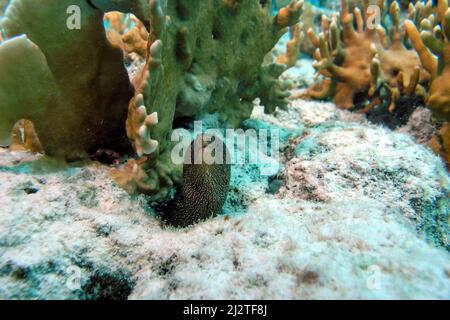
[208, 57]
[204, 57]
[3, 4]
[70, 83]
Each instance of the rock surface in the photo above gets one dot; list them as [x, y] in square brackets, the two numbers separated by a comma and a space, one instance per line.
[357, 211]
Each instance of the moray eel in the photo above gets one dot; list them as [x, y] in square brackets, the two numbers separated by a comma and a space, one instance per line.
[204, 188]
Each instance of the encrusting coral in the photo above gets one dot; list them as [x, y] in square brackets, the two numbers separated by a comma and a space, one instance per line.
[71, 84]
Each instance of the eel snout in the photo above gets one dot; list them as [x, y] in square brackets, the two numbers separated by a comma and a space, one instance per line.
[205, 183]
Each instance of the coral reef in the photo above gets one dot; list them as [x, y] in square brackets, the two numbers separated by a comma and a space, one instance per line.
[76, 97]
[434, 50]
[369, 66]
[344, 62]
[348, 198]
[210, 179]
[188, 72]
[365, 203]
[433, 47]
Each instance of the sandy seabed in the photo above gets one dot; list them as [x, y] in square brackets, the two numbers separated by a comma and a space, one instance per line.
[357, 211]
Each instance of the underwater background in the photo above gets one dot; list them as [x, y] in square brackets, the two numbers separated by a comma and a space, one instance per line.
[343, 193]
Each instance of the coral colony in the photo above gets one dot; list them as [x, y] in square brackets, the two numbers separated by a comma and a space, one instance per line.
[190, 109]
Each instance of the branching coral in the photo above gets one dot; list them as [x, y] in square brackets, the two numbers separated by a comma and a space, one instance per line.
[24, 137]
[368, 61]
[206, 57]
[292, 47]
[70, 83]
[198, 58]
[345, 62]
[127, 32]
[433, 47]
[396, 70]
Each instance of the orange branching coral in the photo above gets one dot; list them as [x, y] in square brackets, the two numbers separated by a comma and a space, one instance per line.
[433, 47]
[292, 47]
[188, 73]
[126, 32]
[344, 62]
[395, 68]
[367, 61]
[289, 15]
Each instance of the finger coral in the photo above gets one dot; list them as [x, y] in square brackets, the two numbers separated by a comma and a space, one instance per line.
[433, 47]
[345, 61]
[198, 58]
[360, 59]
